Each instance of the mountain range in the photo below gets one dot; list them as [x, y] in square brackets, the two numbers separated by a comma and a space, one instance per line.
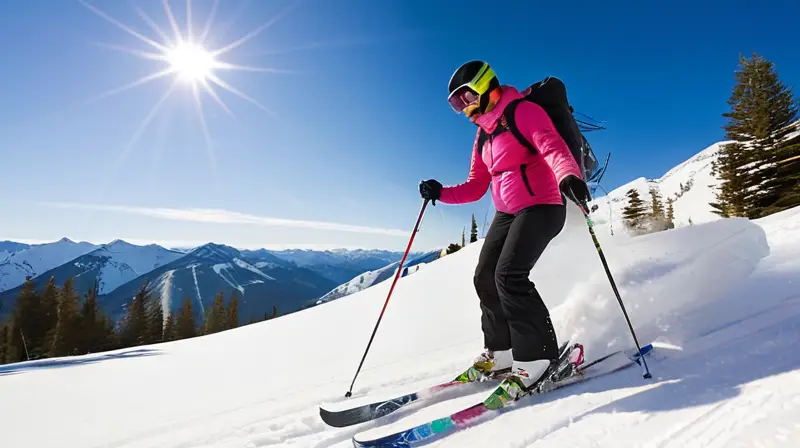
[287, 280]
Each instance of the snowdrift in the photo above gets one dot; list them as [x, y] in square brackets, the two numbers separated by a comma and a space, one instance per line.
[719, 299]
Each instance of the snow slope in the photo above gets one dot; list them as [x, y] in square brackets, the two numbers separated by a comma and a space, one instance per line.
[37, 259]
[9, 247]
[720, 299]
[694, 175]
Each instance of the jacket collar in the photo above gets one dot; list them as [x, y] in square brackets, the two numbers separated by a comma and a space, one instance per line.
[488, 121]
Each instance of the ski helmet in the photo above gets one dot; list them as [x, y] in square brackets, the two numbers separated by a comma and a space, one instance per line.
[471, 84]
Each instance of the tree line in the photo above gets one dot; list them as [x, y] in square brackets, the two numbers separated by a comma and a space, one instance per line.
[56, 322]
[759, 169]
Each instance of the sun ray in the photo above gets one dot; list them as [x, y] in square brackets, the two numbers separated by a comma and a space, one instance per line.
[209, 22]
[142, 126]
[246, 68]
[210, 90]
[154, 26]
[133, 84]
[212, 159]
[175, 28]
[251, 34]
[216, 80]
[124, 27]
[140, 53]
[189, 20]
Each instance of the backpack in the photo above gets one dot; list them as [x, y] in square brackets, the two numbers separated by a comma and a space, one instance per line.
[551, 94]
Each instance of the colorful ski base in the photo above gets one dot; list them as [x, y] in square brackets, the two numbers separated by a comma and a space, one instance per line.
[473, 414]
[372, 411]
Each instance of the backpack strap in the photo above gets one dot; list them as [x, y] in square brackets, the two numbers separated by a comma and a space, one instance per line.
[507, 123]
[511, 123]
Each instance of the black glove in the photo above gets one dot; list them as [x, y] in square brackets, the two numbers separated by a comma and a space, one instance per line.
[576, 190]
[430, 189]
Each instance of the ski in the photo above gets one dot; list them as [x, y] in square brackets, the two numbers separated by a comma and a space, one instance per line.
[563, 375]
[378, 409]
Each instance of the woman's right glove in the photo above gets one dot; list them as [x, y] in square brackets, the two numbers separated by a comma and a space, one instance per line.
[431, 190]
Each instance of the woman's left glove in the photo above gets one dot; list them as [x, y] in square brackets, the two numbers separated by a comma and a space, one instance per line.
[431, 190]
[576, 190]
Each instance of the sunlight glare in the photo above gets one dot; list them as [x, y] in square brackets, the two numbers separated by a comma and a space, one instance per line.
[191, 62]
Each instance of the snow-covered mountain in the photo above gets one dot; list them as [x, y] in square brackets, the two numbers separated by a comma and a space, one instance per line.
[212, 268]
[371, 278]
[111, 265]
[690, 184]
[37, 259]
[726, 369]
[9, 247]
[340, 265]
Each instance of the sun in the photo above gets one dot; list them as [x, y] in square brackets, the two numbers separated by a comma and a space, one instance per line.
[191, 62]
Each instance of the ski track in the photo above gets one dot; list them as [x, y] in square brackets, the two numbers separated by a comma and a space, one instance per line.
[197, 289]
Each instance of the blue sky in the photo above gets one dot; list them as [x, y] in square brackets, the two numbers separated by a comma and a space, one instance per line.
[356, 116]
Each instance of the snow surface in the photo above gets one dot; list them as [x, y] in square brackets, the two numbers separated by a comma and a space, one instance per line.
[720, 299]
[39, 258]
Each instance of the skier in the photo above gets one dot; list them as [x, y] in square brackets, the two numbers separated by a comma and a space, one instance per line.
[530, 211]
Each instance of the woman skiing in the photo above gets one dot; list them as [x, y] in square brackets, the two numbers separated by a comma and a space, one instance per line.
[527, 192]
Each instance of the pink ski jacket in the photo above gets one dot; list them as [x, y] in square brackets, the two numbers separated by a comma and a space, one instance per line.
[519, 178]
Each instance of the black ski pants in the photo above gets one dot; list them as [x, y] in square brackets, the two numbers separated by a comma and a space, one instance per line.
[513, 314]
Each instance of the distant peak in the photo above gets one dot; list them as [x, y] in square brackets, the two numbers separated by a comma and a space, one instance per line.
[66, 240]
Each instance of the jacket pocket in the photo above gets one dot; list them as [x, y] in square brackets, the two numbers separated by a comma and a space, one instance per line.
[525, 178]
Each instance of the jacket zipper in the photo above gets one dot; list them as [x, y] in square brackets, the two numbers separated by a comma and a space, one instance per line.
[525, 178]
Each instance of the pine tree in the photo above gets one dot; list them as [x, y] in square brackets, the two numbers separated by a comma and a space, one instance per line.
[274, 311]
[68, 330]
[29, 335]
[169, 328]
[670, 214]
[633, 214]
[134, 326]
[185, 326]
[215, 321]
[155, 322]
[657, 207]
[49, 306]
[5, 339]
[232, 318]
[473, 233]
[754, 183]
[463, 237]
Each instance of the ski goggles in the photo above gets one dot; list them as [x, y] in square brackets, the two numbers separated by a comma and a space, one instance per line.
[470, 92]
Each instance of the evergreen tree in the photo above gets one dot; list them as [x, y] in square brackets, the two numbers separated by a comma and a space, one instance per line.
[232, 320]
[473, 233]
[155, 322]
[5, 339]
[754, 183]
[50, 311]
[185, 326]
[169, 328]
[633, 214]
[670, 214]
[215, 321]
[274, 311]
[134, 325]
[68, 330]
[656, 205]
[463, 237]
[29, 335]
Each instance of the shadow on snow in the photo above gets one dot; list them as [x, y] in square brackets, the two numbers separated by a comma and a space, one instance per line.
[55, 363]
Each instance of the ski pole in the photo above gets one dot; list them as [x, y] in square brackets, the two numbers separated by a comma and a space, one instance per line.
[396, 277]
[589, 223]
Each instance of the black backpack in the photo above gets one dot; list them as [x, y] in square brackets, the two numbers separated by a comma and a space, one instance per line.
[551, 94]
